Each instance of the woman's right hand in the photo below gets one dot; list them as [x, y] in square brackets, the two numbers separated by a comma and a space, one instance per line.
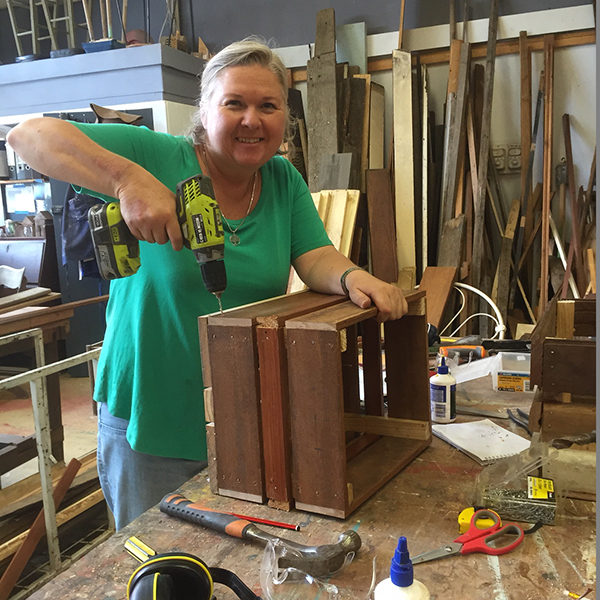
[148, 208]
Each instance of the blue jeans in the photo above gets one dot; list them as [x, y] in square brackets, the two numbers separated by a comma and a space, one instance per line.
[132, 482]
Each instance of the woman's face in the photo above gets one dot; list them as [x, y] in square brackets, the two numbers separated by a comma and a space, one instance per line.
[245, 116]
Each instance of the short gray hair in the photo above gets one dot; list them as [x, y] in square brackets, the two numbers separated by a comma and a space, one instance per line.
[247, 52]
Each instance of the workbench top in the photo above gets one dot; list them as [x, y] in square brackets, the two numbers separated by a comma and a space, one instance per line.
[422, 503]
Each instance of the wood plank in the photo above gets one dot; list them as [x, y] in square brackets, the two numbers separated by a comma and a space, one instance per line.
[382, 227]
[349, 221]
[316, 418]
[366, 131]
[569, 366]
[484, 147]
[377, 127]
[237, 411]
[345, 314]
[350, 376]
[407, 368]
[501, 289]
[525, 62]
[378, 425]
[425, 168]
[457, 88]
[574, 204]
[8, 548]
[438, 284]
[452, 243]
[547, 166]
[546, 327]
[403, 159]
[35, 533]
[275, 419]
[322, 97]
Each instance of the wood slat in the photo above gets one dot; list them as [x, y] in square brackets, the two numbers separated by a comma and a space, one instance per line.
[484, 147]
[407, 368]
[404, 187]
[382, 227]
[438, 284]
[322, 97]
[547, 165]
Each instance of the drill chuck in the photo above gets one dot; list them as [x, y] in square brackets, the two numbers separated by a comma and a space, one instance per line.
[214, 276]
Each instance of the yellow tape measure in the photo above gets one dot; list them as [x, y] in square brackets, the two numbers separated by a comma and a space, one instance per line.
[464, 520]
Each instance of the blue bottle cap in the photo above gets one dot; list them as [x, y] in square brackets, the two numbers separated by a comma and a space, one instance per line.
[443, 367]
[401, 571]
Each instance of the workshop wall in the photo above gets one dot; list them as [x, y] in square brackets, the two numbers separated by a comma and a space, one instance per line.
[287, 23]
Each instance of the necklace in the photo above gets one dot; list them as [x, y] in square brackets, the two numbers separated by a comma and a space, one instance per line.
[234, 238]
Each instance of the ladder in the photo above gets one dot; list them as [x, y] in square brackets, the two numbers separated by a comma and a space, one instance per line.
[58, 17]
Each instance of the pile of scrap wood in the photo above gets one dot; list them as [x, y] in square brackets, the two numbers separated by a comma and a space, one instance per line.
[82, 510]
[440, 201]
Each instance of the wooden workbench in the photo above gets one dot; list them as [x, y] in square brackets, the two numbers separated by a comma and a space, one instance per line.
[422, 503]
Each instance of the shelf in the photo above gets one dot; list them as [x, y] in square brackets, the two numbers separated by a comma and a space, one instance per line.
[10, 181]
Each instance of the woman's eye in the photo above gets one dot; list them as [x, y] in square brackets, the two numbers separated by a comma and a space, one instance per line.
[269, 106]
[232, 103]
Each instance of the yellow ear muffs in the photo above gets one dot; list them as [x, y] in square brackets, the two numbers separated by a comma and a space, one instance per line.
[171, 576]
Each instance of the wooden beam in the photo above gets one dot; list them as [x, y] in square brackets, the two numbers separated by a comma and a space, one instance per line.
[525, 58]
[484, 146]
[382, 228]
[437, 283]
[404, 160]
[322, 97]
[547, 166]
[405, 428]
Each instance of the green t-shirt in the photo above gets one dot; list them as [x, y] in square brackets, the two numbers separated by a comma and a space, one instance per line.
[149, 370]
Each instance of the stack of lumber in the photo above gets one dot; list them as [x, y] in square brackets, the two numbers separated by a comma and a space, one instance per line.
[440, 202]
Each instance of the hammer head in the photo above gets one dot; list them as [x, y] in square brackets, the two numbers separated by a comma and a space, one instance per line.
[320, 561]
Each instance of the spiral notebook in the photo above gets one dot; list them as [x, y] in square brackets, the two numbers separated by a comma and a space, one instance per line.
[483, 441]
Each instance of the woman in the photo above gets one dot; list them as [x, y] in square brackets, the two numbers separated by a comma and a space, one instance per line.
[151, 434]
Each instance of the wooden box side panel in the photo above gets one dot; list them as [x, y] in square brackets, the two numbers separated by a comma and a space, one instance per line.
[407, 368]
[317, 418]
[569, 366]
[236, 411]
[275, 413]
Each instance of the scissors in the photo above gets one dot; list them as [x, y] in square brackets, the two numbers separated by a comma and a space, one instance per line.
[476, 539]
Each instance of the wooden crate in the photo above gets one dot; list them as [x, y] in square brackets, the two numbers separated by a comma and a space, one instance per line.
[249, 404]
[342, 452]
[250, 372]
[563, 366]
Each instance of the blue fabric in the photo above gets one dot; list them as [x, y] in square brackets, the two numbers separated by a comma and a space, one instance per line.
[137, 481]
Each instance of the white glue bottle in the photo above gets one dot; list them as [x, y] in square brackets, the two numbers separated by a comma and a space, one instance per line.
[442, 394]
[401, 584]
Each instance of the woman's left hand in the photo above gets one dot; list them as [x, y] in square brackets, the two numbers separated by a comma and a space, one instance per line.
[364, 290]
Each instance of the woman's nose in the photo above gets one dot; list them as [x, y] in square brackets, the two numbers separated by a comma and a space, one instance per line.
[251, 117]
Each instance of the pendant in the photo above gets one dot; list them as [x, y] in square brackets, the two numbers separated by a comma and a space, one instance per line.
[234, 239]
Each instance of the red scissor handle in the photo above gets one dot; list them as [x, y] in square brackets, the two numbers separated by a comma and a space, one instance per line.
[481, 544]
[475, 532]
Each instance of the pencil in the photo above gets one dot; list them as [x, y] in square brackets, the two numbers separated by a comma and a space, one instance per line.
[268, 522]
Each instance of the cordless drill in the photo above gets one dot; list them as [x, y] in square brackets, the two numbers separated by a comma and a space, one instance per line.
[118, 252]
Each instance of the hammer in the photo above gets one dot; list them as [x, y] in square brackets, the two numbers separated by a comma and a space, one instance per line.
[318, 561]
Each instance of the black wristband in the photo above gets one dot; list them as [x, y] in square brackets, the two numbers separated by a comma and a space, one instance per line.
[343, 278]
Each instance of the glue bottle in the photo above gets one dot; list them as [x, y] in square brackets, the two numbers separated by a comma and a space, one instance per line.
[442, 395]
[401, 584]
